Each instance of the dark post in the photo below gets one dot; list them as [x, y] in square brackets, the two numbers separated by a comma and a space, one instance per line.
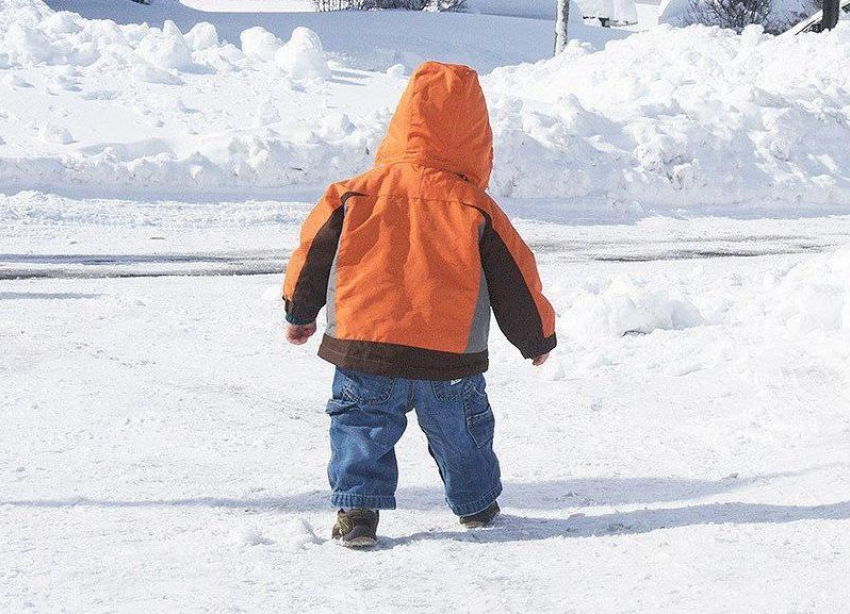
[830, 14]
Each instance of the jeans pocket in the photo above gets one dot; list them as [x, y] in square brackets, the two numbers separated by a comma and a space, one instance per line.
[339, 406]
[460, 389]
[365, 388]
[481, 427]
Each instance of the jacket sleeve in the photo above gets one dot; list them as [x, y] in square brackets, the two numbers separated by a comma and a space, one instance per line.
[513, 282]
[306, 284]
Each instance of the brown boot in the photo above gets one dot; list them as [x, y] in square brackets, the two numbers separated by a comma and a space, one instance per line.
[356, 528]
[482, 518]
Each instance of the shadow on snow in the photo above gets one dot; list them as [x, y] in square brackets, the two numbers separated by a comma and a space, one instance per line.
[567, 495]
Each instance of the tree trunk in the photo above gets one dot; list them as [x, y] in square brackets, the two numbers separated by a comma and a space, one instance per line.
[561, 25]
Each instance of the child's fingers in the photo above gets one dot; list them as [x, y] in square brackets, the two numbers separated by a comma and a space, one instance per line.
[539, 360]
[298, 335]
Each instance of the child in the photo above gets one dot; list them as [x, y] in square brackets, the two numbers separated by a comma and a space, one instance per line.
[409, 258]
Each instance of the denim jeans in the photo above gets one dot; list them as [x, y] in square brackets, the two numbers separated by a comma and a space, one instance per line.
[368, 417]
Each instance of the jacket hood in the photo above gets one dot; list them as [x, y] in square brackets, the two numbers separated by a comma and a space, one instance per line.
[442, 122]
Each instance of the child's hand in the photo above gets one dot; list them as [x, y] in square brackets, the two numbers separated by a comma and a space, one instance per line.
[539, 360]
[297, 334]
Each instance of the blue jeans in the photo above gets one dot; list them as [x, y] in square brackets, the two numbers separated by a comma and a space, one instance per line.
[368, 417]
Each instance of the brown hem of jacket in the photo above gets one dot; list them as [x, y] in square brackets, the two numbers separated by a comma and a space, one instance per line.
[393, 360]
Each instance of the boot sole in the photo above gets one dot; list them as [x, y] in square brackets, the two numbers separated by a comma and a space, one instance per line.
[480, 524]
[360, 542]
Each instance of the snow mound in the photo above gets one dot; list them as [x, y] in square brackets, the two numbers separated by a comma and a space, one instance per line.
[31, 35]
[299, 535]
[55, 135]
[622, 307]
[302, 57]
[679, 118]
[202, 36]
[812, 296]
[166, 48]
[693, 119]
[249, 536]
[808, 298]
[260, 43]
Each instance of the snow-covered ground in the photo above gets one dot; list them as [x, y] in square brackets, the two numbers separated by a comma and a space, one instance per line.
[163, 450]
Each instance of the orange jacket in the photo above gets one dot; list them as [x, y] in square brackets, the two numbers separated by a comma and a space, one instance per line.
[410, 256]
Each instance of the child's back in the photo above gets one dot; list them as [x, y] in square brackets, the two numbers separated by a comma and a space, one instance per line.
[412, 254]
[409, 258]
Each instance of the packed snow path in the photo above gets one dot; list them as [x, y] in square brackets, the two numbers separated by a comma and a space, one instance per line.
[685, 450]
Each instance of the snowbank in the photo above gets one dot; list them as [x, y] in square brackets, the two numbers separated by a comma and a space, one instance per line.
[624, 306]
[808, 298]
[680, 118]
[812, 296]
[667, 119]
[372, 40]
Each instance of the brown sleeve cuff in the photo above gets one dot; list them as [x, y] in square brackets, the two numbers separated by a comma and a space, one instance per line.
[298, 316]
[544, 345]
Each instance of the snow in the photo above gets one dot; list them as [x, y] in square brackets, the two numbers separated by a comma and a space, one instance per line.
[693, 119]
[625, 307]
[698, 116]
[166, 49]
[303, 58]
[372, 40]
[202, 36]
[259, 43]
[685, 193]
[161, 426]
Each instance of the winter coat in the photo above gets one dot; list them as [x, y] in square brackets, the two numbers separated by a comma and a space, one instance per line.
[410, 256]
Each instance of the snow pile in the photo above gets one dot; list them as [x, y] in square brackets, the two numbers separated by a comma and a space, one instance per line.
[808, 298]
[31, 34]
[680, 118]
[302, 57]
[812, 296]
[666, 119]
[299, 535]
[623, 306]
[259, 43]
[249, 536]
[166, 48]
